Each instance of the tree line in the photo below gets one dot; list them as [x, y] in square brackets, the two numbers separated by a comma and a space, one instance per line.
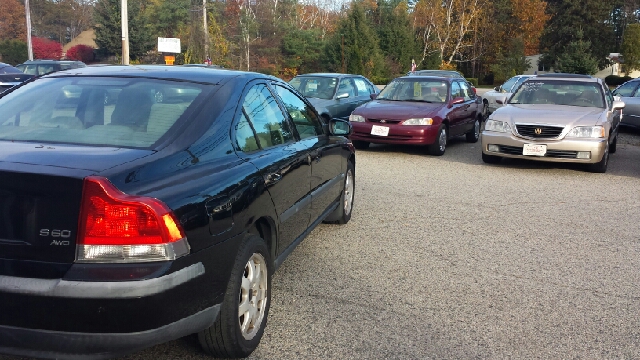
[485, 39]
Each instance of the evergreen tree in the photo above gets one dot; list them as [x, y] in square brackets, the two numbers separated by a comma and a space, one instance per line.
[592, 17]
[302, 49]
[361, 51]
[577, 59]
[630, 48]
[513, 63]
[109, 33]
[397, 42]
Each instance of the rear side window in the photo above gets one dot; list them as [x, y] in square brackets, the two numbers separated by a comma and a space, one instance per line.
[95, 111]
[245, 137]
[264, 114]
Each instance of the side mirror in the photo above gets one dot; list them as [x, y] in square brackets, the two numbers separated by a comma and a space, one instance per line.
[342, 96]
[616, 98]
[618, 105]
[497, 88]
[373, 96]
[340, 127]
[456, 101]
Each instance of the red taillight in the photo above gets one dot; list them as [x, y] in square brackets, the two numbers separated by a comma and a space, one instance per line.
[115, 225]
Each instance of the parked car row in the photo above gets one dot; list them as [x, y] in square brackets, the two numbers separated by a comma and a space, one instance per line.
[141, 204]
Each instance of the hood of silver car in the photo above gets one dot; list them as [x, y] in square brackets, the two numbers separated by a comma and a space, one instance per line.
[549, 114]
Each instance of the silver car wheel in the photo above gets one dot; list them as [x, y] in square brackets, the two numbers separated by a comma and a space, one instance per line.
[442, 140]
[476, 130]
[348, 193]
[253, 296]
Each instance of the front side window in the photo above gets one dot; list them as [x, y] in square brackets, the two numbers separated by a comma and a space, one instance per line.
[268, 121]
[456, 90]
[315, 86]
[361, 86]
[467, 93]
[346, 87]
[107, 111]
[559, 92]
[304, 119]
[506, 87]
[625, 90]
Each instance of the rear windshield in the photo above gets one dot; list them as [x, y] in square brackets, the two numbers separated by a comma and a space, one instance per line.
[559, 92]
[415, 89]
[123, 112]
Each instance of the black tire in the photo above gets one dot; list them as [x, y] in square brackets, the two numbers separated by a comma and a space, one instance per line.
[438, 148]
[601, 166]
[342, 214]
[361, 145]
[474, 134]
[491, 159]
[613, 147]
[225, 338]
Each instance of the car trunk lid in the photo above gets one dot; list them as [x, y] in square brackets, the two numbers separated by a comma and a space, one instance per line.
[40, 197]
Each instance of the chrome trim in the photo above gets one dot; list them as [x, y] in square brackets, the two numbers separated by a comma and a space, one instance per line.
[99, 290]
[562, 134]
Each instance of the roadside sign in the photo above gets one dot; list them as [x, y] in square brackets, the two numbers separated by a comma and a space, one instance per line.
[169, 45]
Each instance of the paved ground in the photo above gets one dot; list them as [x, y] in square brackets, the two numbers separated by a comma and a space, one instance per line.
[446, 257]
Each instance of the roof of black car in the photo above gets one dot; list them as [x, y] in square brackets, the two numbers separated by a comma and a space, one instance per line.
[194, 74]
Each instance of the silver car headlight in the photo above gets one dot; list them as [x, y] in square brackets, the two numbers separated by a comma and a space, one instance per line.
[497, 126]
[594, 132]
[418, 121]
[356, 118]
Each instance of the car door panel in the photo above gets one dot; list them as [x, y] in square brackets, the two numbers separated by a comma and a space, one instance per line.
[282, 161]
[324, 154]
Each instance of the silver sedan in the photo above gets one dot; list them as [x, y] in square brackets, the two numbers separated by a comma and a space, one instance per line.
[556, 118]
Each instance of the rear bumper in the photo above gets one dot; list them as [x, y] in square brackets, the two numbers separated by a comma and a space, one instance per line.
[89, 318]
[398, 134]
[557, 150]
[73, 345]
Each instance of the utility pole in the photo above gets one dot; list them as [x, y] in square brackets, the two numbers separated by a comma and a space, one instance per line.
[124, 20]
[206, 29]
[29, 45]
[343, 69]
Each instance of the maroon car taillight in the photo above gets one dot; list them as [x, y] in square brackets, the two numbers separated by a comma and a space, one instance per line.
[118, 228]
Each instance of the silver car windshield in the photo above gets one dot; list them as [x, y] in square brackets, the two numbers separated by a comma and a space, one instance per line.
[559, 92]
[412, 89]
[121, 112]
[315, 86]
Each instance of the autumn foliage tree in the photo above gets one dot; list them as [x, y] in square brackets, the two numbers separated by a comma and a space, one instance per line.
[82, 53]
[46, 49]
[12, 21]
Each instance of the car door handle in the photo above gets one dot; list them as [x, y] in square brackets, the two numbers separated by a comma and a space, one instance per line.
[273, 178]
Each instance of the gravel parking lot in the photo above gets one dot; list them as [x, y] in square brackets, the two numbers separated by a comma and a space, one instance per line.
[446, 257]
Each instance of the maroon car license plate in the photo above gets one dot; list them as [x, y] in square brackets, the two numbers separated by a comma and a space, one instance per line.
[379, 130]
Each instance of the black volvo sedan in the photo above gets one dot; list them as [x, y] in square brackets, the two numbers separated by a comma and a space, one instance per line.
[130, 223]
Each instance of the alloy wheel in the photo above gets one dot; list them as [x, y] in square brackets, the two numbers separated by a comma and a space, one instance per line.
[253, 296]
[348, 193]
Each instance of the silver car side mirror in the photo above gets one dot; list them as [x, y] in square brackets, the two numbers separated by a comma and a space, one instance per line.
[618, 105]
[342, 96]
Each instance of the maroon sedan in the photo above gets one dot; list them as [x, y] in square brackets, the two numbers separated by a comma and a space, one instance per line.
[418, 110]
